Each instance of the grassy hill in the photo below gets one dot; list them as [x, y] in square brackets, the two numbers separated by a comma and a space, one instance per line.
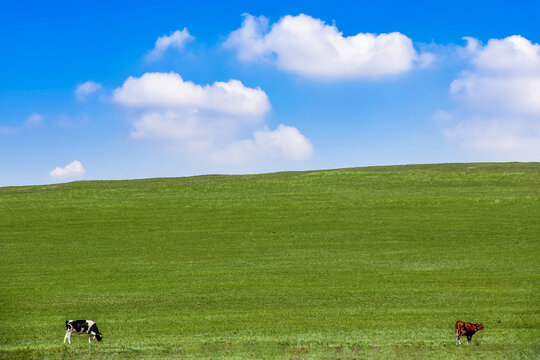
[373, 263]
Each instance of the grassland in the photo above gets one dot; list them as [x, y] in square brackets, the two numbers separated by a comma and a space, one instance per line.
[371, 263]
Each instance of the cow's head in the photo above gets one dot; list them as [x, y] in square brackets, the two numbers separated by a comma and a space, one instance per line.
[99, 336]
[479, 326]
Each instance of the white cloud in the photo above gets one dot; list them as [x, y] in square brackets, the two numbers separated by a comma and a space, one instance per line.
[32, 121]
[499, 99]
[169, 90]
[507, 139]
[496, 93]
[284, 142]
[208, 122]
[309, 47]
[506, 77]
[167, 124]
[73, 169]
[472, 47]
[177, 40]
[82, 91]
[512, 55]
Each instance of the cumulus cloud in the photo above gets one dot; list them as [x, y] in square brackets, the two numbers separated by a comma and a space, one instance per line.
[309, 47]
[284, 142]
[512, 55]
[32, 121]
[506, 77]
[73, 169]
[176, 40]
[82, 91]
[207, 121]
[169, 90]
[499, 99]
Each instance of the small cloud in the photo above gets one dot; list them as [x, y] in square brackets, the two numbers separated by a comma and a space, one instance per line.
[177, 40]
[472, 47]
[73, 169]
[32, 121]
[286, 142]
[86, 89]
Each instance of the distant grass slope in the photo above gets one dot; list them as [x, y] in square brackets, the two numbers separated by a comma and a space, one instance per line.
[361, 263]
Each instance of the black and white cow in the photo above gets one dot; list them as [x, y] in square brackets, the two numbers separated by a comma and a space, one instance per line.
[82, 327]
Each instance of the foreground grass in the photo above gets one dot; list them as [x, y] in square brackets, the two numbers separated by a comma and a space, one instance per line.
[357, 263]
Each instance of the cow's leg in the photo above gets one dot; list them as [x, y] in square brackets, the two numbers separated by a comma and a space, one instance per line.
[458, 333]
[469, 337]
[68, 337]
[89, 338]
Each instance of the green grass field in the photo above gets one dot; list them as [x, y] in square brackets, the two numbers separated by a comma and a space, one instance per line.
[367, 263]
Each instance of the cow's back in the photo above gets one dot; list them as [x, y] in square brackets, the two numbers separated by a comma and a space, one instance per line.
[79, 326]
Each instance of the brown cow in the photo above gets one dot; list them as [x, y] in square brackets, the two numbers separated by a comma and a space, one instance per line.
[466, 329]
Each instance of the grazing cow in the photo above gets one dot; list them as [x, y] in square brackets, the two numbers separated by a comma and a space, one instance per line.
[466, 329]
[82, 327]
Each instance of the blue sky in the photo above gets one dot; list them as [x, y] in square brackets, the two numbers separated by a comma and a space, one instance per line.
[118, 90]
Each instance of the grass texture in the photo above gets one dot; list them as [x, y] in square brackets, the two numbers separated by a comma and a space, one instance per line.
[366, 263]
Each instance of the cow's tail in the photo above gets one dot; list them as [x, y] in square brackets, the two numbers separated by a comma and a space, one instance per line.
[457, 326]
